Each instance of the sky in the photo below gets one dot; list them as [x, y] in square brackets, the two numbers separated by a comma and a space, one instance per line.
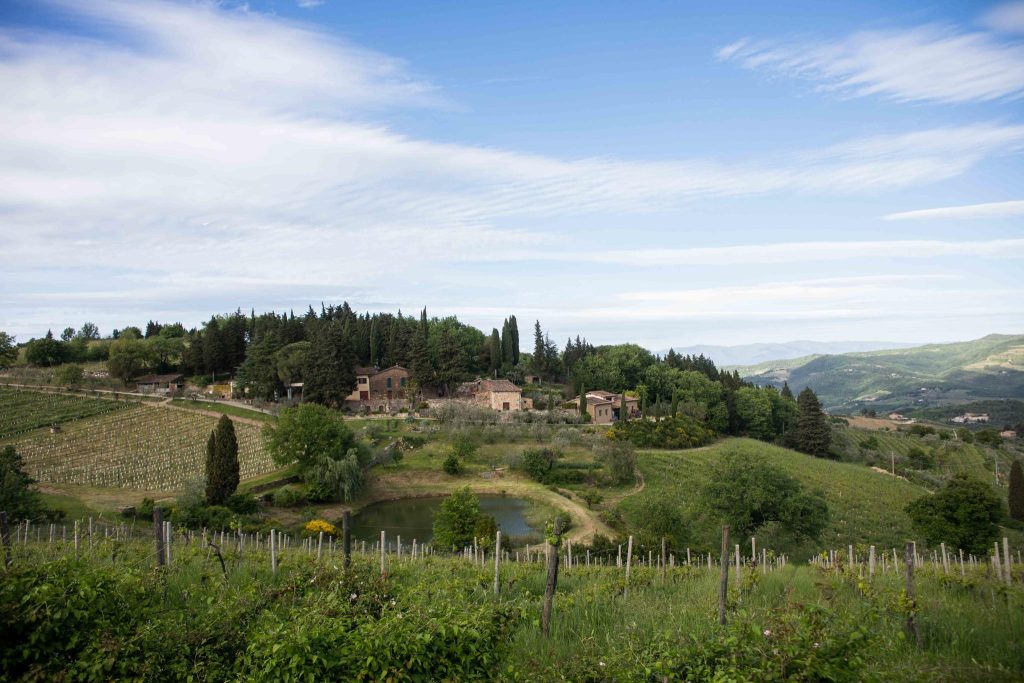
[662, 173]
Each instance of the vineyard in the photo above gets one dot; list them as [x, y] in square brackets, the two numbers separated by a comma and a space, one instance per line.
[25, 410]
[135, 446]
[227, 607]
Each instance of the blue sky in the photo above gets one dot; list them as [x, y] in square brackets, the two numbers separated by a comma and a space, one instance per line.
[665, 173]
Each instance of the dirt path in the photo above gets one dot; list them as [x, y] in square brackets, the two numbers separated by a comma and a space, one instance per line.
[210, 413]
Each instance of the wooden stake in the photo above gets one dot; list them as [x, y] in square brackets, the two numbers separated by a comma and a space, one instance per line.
[273, 551]
[5, 534]
[158, 529]
[629, 562]
[552, 583]
[911, 625]
[383, 547]
[723, 582]
[497, 560]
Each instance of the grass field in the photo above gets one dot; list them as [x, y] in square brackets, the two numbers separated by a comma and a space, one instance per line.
[865, 506]
[223, 409]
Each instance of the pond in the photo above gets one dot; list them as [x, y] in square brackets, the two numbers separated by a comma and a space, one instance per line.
[413, 518]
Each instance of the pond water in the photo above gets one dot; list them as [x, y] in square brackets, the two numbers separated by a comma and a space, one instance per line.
[413, 518]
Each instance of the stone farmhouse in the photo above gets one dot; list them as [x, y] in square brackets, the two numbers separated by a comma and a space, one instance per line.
[377, 389]
[496, 394]
[163, 385]
[971, 418]
[605, 407]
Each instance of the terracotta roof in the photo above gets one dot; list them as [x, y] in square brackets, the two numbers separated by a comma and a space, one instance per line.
[366, 371]
[498, 385]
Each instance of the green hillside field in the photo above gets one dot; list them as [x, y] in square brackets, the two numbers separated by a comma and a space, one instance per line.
[866, 506]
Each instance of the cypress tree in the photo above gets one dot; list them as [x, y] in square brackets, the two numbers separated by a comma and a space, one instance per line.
[811, 434]
[644, 408]
[675, 401]
[495, 350]
[624, 408]
[513, 328]
[539, 350]
[1016, 493]
[222, 470]
[583, 400]
[786, 392]
[422, 361]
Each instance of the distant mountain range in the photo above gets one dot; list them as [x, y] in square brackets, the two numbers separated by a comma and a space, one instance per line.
[905, 378]
[752, 354]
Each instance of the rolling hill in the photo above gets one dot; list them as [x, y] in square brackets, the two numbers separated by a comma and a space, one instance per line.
[902, 379]
[752, 354]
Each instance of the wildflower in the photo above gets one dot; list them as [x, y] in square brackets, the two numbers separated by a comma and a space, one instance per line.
[601, 664]
[353, 596]
[767, 633]
[817, 645]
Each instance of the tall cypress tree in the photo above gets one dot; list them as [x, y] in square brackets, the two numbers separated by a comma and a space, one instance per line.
[675, 402]
[422, 363]
[1016, 493]
[495, 350]
[222, 470]
[811, 434]
[513, 328]
[539, 348]
[624, 408]
[583, 400]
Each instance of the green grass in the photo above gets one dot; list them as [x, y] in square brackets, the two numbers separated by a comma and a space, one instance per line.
[224, 409]
[24, 410]
[865, 506]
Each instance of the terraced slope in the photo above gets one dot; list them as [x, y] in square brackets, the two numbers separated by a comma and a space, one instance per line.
[136, 447]
[22, 410]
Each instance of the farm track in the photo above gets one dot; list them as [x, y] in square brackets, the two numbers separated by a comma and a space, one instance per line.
[208, 413]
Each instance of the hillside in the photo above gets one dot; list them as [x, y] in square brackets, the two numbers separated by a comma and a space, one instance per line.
[753, 354]
[866, 506]
[918, 377]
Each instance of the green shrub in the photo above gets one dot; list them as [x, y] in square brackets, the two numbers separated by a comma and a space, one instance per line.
[243, 504]
[288, 496]
[452, 465]
[672, 432]
[538, 463]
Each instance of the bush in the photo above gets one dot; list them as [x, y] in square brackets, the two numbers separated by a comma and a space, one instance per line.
[315, 526]
[672, 432]
[288, 496]
[538, 463]
[452, 465]
[243, 504]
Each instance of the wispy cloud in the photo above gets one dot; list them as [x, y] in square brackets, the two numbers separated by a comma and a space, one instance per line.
[937, 63]
[140, 172]
[1005, 18]
[786, 252]
[987, 210]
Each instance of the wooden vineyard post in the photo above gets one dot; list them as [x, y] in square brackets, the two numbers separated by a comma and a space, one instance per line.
[383, 569]
[319, 545]
[552, 583]
[629, 563]
[911, 607]
[158, 529]
[1006, 561]
[723, 582]
[737, 562]
[169, 540]
[962, 562]
[871, 562]
[497, 562]
[273, 551]
[945, 559]
[346, 536]
[76, 540]
[5, 533]
[663, 564]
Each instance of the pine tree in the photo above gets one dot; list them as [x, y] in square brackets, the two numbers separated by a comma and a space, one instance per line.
[422, 362]
[811, 434]
[1016, 493]
[451, 360]
[222, 470]
[329, 372]
[786, 392]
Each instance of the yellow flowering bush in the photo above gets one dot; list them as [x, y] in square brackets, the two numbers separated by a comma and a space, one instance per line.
[315, 526]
